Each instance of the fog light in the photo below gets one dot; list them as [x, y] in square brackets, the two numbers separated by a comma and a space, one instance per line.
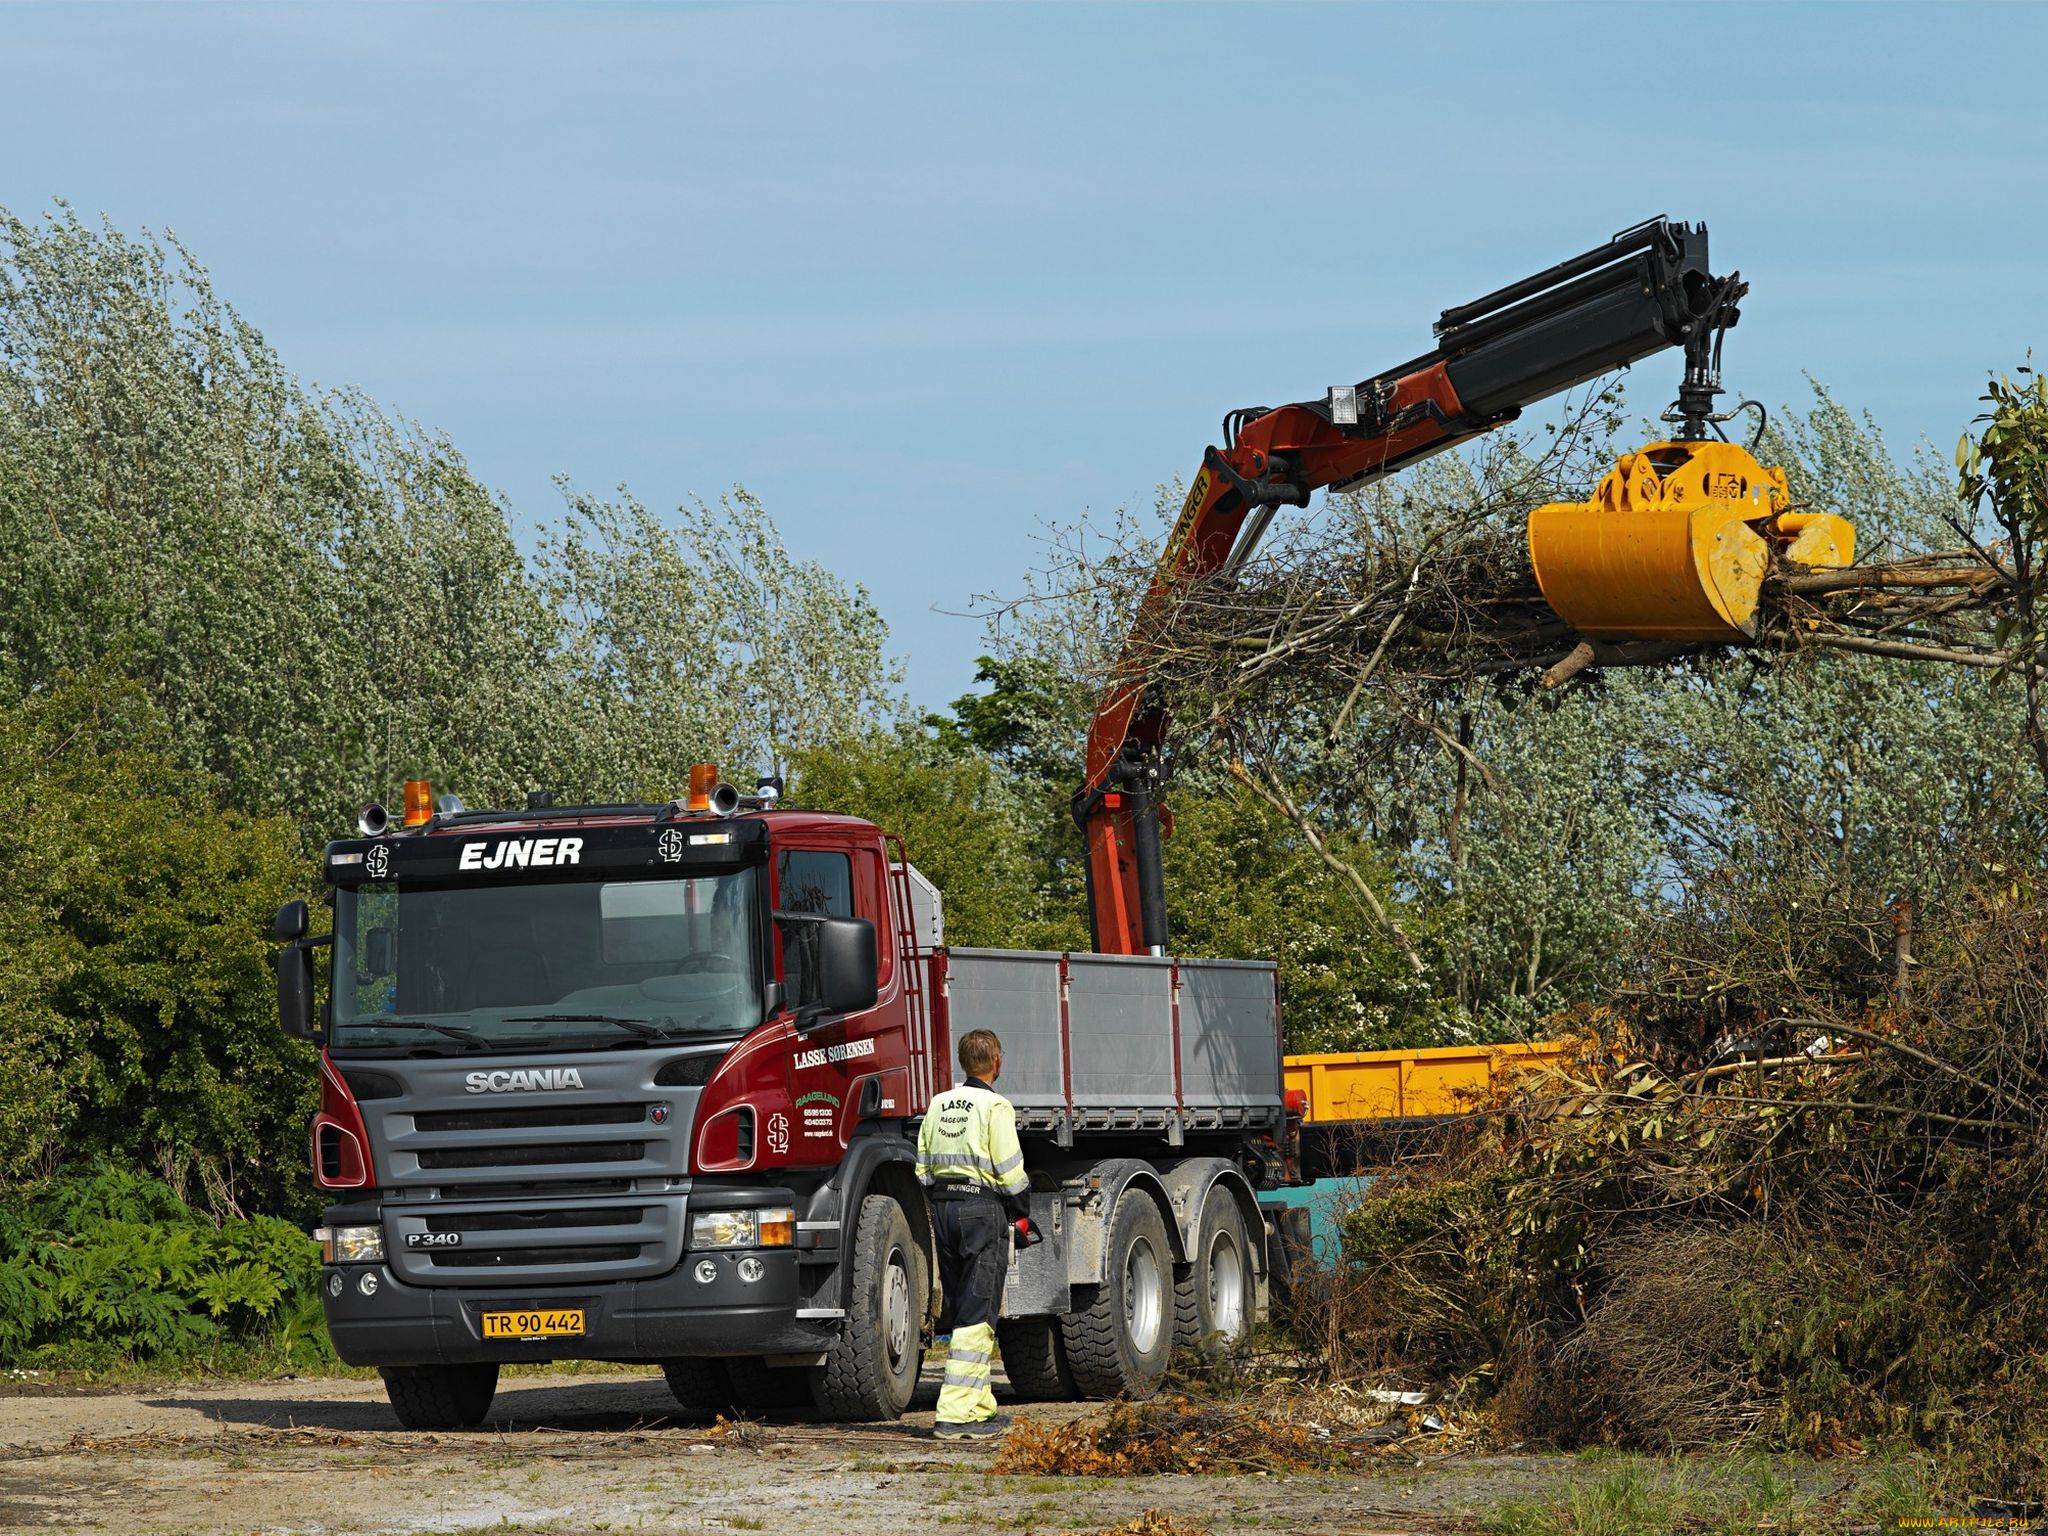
[750, 1269]
[706, 1272]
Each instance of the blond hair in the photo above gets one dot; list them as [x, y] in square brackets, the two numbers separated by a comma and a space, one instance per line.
[979, 1049]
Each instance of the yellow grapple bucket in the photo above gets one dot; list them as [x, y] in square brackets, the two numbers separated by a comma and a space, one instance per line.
[1675, 545]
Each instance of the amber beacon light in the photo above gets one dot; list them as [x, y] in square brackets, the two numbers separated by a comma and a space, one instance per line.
[419, 802]
[703, 779]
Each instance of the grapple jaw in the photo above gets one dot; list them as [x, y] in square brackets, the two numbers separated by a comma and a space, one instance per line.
[1675, 544]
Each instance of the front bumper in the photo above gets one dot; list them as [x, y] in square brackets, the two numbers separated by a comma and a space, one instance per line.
[375, 1318]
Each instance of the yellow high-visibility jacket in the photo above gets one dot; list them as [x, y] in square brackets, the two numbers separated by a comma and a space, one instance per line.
[970, 1135]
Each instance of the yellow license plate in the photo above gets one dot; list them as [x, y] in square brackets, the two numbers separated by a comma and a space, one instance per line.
[566, 1323]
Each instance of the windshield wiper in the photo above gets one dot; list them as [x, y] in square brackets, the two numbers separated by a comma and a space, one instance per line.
[452, 1031]
[639, 1027]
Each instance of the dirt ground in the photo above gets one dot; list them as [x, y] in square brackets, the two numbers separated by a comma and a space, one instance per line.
[567, 1455]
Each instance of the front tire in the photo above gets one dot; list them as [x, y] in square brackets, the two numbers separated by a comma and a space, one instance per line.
[871, 1369]
[1215, 1305]
[1119, 1345]
[440, 1396]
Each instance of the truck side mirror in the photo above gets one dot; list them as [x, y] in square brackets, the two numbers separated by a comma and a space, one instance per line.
[295, 989]
[847, 967]
[830, 960]
[291, 923]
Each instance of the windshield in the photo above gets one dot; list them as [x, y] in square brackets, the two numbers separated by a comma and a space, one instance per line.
[527, 965]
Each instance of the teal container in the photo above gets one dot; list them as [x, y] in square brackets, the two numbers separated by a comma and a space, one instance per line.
[1326, 1201]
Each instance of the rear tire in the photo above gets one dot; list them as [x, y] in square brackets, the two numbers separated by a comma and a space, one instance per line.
[440, 1396]
[1035, 1360]
[701, 1388]
[871, 1369]
[1215, 1305]
[1119, 1345]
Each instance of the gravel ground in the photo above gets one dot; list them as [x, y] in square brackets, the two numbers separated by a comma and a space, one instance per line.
[566, 1455]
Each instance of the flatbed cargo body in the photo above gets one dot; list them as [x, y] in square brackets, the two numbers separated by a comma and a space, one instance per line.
[1102, 1044]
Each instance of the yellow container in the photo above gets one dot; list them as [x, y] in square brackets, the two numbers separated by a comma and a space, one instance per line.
[1406, 1085]
[1675, 545]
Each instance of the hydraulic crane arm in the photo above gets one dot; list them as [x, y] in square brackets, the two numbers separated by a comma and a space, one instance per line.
[1646, 289]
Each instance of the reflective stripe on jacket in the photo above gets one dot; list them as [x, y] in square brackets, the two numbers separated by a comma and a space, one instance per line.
[970, 1134]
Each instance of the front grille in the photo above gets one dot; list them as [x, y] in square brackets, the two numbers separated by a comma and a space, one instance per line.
[537, 1221]
[519, 1258]
[530, 1119]
[510, 1236]
[530, 1156]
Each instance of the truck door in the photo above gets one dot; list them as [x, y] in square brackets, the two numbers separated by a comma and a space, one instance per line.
[840, 1060]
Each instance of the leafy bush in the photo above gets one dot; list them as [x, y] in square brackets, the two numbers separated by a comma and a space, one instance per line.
[1829, 1238]
[137, 1012]
[108, 1266]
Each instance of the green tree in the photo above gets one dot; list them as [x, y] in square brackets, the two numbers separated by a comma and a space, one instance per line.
[962, 824]
[2004, 475]
[705, 640]
[137, 1011]
[320, 602]
[1245, 884]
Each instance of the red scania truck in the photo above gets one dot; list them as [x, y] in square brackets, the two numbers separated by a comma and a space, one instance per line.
[642, 1082]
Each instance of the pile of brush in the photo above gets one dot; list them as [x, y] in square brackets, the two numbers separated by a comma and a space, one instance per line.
[1818, 1229]
[1290, 1426]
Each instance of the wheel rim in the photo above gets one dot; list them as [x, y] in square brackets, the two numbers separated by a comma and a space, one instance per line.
[1226, 1286]
[896, 1326]
[1144, 1306]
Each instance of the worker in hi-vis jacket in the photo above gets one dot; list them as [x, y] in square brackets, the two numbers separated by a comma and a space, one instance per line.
[969, 1161]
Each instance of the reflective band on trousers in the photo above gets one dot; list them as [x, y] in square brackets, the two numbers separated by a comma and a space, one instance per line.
[965, 1396]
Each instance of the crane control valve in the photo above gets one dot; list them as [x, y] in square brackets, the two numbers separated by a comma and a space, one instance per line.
[1675, 544]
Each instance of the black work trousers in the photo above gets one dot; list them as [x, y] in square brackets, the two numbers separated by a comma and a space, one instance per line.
[972, 1257]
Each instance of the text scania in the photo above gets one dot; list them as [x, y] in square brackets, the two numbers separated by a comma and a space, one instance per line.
[523, 1078]
[527, 852]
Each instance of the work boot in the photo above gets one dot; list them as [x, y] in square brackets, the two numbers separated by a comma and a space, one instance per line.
[979, 1429]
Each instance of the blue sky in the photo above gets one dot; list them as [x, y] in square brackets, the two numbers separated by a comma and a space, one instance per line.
[924, 276]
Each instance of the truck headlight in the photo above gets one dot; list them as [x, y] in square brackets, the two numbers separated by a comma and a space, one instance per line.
[350, 1245]
[743, 1229]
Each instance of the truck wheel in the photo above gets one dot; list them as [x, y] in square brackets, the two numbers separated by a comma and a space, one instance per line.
[871, 1369]
[440, 1396]
[1035, 1360]
[700, 1387]
[1213, 1307]
[1118, 1347]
